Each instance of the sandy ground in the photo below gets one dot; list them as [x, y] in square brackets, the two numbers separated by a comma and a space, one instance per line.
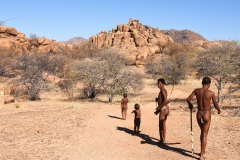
[53, 129]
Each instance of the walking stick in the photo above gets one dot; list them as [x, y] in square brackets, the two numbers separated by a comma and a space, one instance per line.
[191, 129]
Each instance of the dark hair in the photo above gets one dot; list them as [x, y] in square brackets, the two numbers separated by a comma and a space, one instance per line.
[161, 80]
[206, 80]
[136, 106]
[125, 95]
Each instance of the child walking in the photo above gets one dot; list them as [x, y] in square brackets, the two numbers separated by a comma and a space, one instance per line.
[124, 106]
[137, 119]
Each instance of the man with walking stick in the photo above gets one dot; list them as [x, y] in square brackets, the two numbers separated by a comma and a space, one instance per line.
[204, 97]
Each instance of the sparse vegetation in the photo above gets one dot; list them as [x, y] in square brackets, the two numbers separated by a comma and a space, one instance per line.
[32, 73]
[175, 63]
[100, 65]
[216, 62]
[107, 72]
[33, 37]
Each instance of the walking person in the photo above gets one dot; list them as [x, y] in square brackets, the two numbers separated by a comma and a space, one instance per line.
[204, 97]
[137, 118]
[124, 106]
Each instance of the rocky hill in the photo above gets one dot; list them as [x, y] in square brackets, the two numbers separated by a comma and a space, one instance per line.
[75, 41]
[11, 40]
[184, 36]
[142, 41]
[139, 41]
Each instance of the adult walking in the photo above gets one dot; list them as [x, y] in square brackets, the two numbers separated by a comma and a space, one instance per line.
[204, 98]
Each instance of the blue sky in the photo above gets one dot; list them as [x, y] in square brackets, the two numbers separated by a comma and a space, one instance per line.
[61, 20]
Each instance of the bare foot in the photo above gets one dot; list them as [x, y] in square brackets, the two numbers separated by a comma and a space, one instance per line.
[161, 142]
[202, 157]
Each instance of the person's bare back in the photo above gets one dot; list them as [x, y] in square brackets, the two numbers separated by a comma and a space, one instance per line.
[124, 102]
[124, 106]
[204, 97]
[137, 119]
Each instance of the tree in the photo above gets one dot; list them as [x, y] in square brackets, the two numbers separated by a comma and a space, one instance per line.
[67, 86]
[235, 60]
[6, 63]
[216, 63]
[34, 37]
[153, 66]
[106, 71]
[173, 64]
[131, 81]
[33, 71]
[174, 68]
[90, 72]
[117, 78]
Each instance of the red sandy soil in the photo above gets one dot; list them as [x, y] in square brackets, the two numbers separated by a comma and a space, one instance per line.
[54, 129]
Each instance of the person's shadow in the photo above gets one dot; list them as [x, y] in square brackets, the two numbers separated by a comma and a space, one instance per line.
[153, 141]
[114, 117]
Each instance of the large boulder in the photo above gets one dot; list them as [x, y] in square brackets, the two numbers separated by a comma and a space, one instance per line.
[9, 99]
[5, 44]
[3, 29]
[11, 31]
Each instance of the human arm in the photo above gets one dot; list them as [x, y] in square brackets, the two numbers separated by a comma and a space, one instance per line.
[122, 103]
[190, 97]
[215, 103]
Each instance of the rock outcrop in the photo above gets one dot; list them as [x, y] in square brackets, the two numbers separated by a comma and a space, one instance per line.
[141, 41]
[11, 40]
[136, 41]
[9, 99]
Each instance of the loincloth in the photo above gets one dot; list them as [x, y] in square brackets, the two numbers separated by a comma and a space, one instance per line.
[124, 108]
[164, 107]
[201, 113]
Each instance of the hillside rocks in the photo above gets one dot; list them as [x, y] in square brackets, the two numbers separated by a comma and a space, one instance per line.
[9, 99]
[11, 40]
[140, 41]
[137, 42]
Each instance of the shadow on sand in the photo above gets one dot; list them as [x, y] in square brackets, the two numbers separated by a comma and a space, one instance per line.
[153, 141]
[114, 117]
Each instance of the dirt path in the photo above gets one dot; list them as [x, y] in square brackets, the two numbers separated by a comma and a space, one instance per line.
[89, 130]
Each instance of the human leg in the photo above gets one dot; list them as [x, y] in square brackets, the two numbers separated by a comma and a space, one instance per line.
[164, 130]
[138, 124]
[161, 126]
[205, 128]
[200, 124]
[161, 131]
[164, 123]
[135, 125]
[122, 111]
[125, 113]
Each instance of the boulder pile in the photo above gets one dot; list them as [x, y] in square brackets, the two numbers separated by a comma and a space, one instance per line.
[11, 40]
[139, 40]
